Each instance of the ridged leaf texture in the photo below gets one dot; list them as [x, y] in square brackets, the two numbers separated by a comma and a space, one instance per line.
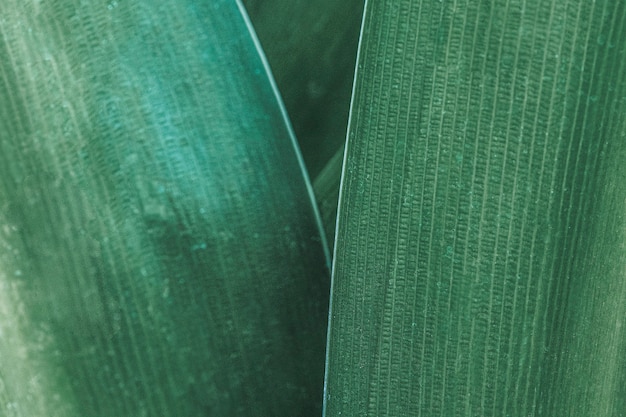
[480, 258]
[160, 254]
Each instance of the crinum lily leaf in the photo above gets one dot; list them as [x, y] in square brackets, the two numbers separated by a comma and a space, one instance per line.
[161, 254]
[479, 260]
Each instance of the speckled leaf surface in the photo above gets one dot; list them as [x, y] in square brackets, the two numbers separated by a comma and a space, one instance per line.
[480, 251]
[159, 252]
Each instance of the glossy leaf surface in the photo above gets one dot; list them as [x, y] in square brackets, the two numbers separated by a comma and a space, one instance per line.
[311, 46]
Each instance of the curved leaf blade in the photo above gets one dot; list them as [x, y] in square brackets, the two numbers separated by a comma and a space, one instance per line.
[161, 253]
[473, 164]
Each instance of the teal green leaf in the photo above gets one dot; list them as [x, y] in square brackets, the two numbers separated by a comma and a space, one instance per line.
[326, 187]
[160, 252]
[311, 46]
[479, 258]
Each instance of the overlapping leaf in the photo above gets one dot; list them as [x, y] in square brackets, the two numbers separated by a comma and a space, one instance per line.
[311, 47]
[160, 255]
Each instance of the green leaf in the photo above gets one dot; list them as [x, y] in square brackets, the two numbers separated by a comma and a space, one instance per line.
[326, 188]
[479, 259]
[311, 46]
[160, 252]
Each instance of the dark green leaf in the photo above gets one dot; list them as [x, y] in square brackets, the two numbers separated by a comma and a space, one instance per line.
[480, 254]
[311, 46]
